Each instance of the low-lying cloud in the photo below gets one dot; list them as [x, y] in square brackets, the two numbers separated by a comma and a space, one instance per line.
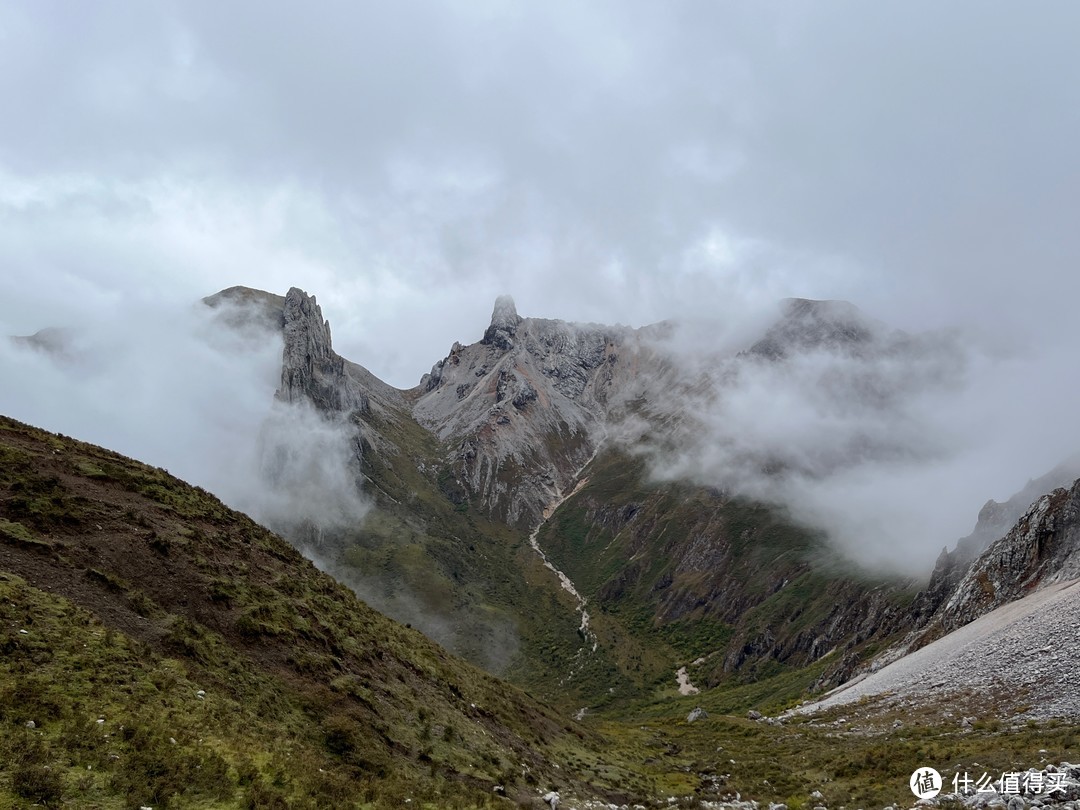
[191, 389]
[890, 449]
[181, 388]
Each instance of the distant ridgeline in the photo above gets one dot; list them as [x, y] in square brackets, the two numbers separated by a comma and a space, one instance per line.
[160, 649]
[550, 428]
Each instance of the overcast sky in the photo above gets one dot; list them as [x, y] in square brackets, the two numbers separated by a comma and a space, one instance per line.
[406, 162]
[610, 161]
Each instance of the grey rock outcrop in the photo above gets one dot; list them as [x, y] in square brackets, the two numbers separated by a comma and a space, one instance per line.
[526, 407]
[504, 323]
[310, 369]
[1043, 548]
[996, 519]
[697, 713]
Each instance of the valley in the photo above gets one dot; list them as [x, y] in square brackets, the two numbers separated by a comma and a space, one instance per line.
[520, 606]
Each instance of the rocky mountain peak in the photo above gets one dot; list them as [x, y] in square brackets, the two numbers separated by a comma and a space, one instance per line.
[808, 325]
[310, 369]
[526, 406]
[504, 323]
[305, 325]
[244, 307]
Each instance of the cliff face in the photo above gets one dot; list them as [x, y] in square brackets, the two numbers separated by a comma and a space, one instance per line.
[1043, 548]
[505, 429]
[524, 409]
[310, 368]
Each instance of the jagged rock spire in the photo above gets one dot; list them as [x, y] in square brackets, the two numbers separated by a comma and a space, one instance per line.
[310, 368]
[505, 313]
[504, 323]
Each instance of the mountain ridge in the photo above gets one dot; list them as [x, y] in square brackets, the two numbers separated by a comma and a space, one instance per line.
[172, 569]
[692, 592]
[527, 410]
[518, 420]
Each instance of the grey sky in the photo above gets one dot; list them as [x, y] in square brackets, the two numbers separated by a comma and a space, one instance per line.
[608, 161]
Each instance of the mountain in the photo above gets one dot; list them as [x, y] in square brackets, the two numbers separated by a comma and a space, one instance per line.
[809, 325]
[510, 509]
[522, 472]
[1040, 548]
[525, 406]
[161, 650]
[504, 481]
[994, 522]
[161, 647]
[997, 630]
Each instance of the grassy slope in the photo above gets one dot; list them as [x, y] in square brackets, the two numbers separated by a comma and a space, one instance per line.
[125, 592]
[675, 573]
[425, 556]
[136, 590]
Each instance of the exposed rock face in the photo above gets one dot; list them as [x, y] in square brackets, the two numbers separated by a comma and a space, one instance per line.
[504, 323]
[310, 369]
[995, 519]
[526, 407]
[1043, 548]
[994, 522]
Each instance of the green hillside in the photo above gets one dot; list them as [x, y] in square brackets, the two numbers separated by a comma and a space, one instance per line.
[425, 555]
[161, 650]
[224, 668]
[681, 575]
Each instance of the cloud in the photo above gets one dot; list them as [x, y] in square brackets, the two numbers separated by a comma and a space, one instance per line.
[610, 162]
[309, 469]
[177, 387]
[409, 162]
[889, 448]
